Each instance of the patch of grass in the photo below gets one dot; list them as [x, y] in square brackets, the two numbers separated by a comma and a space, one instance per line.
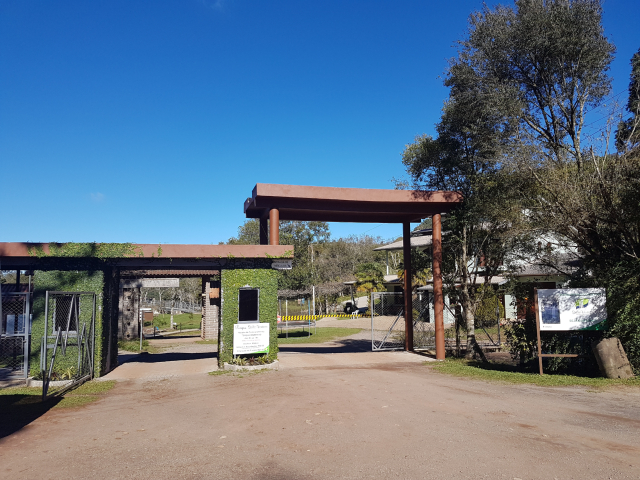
[240, 373]
[132, 345]
[184, 320]
[192, 333]
[207, 342]
[94, 387]
[319, 335]
[506, 374]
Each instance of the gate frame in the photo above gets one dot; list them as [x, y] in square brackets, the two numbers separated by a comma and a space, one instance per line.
[45, 347]
[26, 336]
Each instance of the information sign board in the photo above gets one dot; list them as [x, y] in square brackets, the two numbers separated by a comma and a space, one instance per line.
[572, 309]
[282, 264]
[151, 283]
[249, 338]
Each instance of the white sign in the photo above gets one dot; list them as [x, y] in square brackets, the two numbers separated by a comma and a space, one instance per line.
[572, 309]
[250, 338]
[282, 264]
[151, 283]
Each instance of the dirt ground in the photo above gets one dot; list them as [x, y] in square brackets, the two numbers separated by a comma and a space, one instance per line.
[346, 415]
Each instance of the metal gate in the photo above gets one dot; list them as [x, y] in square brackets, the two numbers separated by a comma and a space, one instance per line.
[387, 321]
[15, 327]
[68, 345]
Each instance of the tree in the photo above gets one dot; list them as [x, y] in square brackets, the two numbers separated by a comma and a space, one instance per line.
[299, 234]
[370, 277]
[628, 134]
[465, 157]
[544, 63]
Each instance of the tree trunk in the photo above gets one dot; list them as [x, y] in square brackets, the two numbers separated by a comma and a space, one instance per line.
[473, 349]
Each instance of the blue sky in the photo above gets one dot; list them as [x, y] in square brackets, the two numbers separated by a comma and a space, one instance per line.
[150, 122]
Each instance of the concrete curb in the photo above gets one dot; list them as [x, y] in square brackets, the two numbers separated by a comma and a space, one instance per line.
[247, 368]
[56, 383]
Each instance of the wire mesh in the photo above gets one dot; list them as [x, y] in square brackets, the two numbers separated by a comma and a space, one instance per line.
[14, 335]
[67, 350]
[388, 325]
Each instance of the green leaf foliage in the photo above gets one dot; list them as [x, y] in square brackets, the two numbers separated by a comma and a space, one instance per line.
[80, 281]
[232, 280]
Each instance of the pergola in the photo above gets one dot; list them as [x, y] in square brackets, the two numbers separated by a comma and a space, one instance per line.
[359, 205]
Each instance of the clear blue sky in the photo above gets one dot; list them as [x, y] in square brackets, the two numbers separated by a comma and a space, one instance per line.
[151, 121]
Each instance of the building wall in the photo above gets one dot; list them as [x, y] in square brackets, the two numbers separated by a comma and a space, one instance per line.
[210, 308]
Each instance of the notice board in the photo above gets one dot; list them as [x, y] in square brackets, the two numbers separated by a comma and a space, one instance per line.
[250, 338]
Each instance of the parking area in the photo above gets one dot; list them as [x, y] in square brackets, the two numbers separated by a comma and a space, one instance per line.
[334, 415]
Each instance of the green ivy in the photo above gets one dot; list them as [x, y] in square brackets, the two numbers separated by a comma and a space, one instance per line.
[88, 250]
[82, 281]
[231, 282]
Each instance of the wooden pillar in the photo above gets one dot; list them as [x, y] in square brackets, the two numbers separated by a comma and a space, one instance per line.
[264, 231]
[274, 227]
[438, 297]
[408, 303]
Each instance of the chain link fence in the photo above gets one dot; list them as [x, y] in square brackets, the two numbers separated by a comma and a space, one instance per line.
[15, 326]
[388, 325]
[67, 348]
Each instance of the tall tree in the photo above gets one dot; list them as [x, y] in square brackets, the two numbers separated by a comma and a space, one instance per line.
[299, 234]
[547, 60]
[465, 157]
[628, 134]
[545, 63]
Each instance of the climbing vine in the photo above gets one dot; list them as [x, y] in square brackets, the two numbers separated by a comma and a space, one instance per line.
[232, 280]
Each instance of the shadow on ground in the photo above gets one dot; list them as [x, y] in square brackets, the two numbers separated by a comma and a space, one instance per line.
[339, 346]
[19, 410]
[163, 357]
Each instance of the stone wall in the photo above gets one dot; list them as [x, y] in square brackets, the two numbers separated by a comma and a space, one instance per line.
[210, 308]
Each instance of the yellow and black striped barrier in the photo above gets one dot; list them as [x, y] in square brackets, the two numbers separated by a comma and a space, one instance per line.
[294, 318]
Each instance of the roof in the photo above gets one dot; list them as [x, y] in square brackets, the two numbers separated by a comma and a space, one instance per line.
[152, 256]
[560, 265]
[360, 205]
[421, 243]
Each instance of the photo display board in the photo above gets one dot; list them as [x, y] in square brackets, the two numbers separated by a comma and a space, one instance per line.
[567, 309]
[250, 338]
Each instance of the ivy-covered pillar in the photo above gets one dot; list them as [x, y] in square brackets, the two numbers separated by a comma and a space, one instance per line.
[265, 281]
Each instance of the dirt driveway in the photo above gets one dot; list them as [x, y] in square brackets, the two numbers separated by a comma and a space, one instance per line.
[354, 418]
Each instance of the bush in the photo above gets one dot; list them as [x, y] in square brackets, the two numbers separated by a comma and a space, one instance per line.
[623, 306]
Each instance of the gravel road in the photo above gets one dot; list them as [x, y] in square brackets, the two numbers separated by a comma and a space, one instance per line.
[336, 415]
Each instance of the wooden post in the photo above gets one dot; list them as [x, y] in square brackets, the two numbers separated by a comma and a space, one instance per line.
[438, 296]
[274, 227]
[535, 306]
[408, 303]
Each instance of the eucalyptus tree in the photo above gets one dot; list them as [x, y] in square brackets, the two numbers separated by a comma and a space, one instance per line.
[299, 234]
[466, 156]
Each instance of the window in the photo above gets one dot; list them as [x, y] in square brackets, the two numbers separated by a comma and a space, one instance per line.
[248, 305]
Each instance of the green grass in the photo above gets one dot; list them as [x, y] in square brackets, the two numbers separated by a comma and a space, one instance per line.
[132, 345]
[184, 320]
[22, 396]
[320, 335]
[207, 342]
[505, 374]
[191, 333]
